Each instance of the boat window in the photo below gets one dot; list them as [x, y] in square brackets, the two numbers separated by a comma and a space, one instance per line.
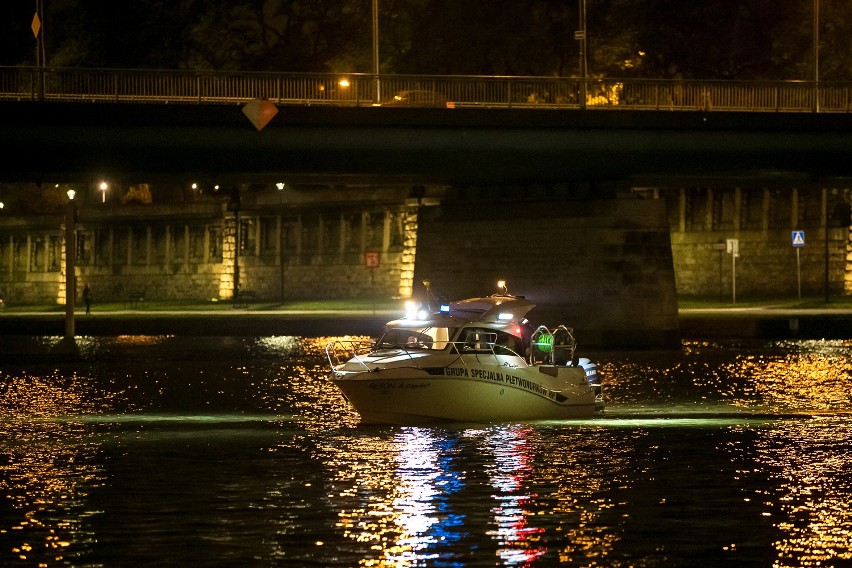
[436, 338]
[484, 340]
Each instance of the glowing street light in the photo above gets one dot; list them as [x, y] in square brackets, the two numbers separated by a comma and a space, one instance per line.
[104, 186]
[70, 259]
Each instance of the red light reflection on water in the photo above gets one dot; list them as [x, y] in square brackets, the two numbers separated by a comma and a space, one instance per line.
[518, 540]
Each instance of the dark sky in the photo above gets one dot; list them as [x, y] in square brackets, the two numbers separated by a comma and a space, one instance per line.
[718, 39]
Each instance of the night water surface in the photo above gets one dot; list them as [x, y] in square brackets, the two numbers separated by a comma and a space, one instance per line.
[166, 451]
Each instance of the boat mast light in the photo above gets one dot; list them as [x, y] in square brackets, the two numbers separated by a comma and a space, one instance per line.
[501, 287]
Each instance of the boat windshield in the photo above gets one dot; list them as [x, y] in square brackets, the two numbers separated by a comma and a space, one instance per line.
[436, 338]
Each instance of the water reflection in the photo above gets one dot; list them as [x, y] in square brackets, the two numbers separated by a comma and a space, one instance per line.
[516, 533]
[46, 472]
[807, 490]
[172, 452]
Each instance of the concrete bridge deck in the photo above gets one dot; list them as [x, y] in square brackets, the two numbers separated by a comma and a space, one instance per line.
[138, 142]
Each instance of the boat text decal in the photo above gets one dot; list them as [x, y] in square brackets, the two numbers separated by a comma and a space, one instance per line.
[503, 378]
[386, 386]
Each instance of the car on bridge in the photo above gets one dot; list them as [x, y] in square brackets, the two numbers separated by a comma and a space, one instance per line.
[419, 98]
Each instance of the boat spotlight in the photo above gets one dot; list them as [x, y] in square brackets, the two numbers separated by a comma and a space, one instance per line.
[410, 309]
[413, 310]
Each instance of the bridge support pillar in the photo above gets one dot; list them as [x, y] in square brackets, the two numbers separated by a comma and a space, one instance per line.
[603, 267]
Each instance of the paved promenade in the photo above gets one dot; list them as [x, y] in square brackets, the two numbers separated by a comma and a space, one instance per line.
[763, 322]
[22, 333]
[199, 322]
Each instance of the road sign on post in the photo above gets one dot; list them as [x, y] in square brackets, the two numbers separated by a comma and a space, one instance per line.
[372, 259]
[798, 243]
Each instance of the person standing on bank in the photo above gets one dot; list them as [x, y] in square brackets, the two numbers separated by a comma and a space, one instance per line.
[87, 297]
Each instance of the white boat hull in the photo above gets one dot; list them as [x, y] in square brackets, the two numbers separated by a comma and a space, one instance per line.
[478, 393]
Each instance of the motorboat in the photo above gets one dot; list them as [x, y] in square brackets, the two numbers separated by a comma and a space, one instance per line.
[473, 360]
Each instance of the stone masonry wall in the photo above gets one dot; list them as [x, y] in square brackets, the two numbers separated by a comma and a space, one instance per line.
[603, 267]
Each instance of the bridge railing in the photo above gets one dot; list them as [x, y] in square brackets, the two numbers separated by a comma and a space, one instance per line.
[165, 86]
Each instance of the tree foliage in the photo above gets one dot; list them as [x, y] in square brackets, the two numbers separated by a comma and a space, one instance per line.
[712, 39]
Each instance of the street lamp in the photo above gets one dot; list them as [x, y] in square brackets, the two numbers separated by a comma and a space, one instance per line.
[581, 35]
[70, 258]
[816, 55]
[376, 49]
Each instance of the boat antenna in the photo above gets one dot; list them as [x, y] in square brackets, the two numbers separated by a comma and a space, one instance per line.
[428, 286]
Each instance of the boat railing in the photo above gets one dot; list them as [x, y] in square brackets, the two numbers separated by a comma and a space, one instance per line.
[552, 348]
[344, 350]
[477, 348]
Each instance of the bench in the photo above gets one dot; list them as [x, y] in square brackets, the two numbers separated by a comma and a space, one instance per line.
[133, 298]
[244, 297]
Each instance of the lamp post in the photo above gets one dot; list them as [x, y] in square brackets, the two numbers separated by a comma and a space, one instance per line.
[235, 204]
[581, 36]
[70, 258]
[376, 49]
[816, 55]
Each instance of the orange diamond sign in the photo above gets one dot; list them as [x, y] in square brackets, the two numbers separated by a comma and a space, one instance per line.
[36, 25]
[259, 112]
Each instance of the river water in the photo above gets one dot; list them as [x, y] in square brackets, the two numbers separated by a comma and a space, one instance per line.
[168, 451]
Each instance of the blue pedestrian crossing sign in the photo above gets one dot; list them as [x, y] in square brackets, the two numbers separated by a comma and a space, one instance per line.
[798, 238]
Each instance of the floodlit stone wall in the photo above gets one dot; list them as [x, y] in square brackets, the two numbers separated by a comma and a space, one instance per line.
[314, 248]
[762, 222]
[315, 253]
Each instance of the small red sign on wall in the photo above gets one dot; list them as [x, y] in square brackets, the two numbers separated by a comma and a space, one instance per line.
[372, 259]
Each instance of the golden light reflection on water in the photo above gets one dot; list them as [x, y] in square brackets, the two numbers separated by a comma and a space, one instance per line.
[303, 385]
[516, 534]
[45, 470]
[801, 382]
[574, 492]
[419, 495]
[395, 494]
[589, 469]
[809, 494]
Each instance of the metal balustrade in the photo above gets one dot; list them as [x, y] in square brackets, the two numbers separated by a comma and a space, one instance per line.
[165, 86]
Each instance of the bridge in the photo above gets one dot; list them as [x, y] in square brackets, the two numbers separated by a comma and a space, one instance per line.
[604, 262]
[456, 91]
[64, 124]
